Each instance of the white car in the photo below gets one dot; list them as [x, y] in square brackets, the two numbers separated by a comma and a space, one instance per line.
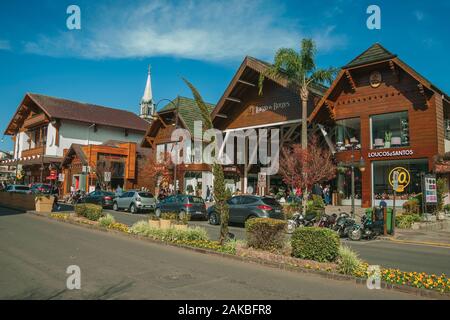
[135, 201]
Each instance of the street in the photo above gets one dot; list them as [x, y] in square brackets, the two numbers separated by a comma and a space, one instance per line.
[407, 257]
[35, 253]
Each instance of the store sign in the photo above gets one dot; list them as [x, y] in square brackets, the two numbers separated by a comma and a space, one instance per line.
[399, 179]
[430, 189]
[397, 153]
[107, 176]
[270, 107]
[262, 180]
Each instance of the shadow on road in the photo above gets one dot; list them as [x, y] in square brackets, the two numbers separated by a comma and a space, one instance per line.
[10, 212]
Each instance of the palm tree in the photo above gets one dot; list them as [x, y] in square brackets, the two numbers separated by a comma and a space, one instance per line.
[220, 192]
[300, 71]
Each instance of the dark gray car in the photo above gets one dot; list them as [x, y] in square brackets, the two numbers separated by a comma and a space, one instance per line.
[249, 206]
[195, 206]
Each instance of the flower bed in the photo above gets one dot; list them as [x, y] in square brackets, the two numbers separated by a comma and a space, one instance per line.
[196, 238]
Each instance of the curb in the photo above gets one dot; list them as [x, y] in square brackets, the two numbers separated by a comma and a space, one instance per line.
[428, 243]
[328, 275]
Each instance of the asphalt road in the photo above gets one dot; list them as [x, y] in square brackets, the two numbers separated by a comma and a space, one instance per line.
[35, 253]
[407, 257]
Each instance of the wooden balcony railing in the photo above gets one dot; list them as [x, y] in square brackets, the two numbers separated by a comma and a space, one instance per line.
[33, 152]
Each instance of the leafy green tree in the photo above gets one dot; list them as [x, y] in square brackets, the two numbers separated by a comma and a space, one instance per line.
[220, 192]
[299, 69]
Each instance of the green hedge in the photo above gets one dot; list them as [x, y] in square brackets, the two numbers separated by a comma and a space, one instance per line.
[406, 221]
[90, 211]
[313, 243]
[265, 233]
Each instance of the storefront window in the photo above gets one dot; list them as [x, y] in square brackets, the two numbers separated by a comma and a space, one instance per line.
[390, 130]
[382, 187]
[348, 133]
[344, 186]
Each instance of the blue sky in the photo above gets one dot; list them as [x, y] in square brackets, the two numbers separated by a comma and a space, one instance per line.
[205, 41]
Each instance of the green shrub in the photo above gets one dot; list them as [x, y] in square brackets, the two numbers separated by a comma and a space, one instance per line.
[265, 233]
[406, 221]
[446, 208]
[169, 216]
[348, 262]
[90, 211]
[411, 206]
[442, 190]
[106, 221]
[316, 206]
[313, 243]
[171, 234]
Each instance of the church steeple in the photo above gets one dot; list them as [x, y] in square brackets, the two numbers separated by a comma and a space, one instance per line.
[147, 104]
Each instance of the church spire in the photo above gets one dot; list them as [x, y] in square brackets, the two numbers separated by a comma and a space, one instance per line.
[147, 104]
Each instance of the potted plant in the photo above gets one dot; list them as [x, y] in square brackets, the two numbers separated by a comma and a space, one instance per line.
[153, 221]
[44, 203]
[387, 139]
[182, 222]
[166, 220]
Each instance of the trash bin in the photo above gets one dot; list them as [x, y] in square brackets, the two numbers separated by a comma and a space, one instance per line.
[389, 221]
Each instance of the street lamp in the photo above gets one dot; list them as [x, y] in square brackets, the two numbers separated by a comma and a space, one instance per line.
[361, 165]
[176, 108]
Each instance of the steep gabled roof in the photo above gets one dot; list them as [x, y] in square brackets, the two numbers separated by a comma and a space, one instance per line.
[258, 66]
[374, 53]
[188, 110]
[57, 108]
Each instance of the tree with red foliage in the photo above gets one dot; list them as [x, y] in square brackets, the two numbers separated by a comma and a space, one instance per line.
[159, 168]
[302, 169]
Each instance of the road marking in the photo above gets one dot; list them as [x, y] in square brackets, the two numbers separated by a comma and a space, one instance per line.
[421, 243]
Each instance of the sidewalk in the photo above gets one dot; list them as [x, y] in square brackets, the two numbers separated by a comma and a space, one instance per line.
[439, 238]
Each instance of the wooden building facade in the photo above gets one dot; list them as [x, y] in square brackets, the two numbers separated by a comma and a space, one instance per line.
[382, 110]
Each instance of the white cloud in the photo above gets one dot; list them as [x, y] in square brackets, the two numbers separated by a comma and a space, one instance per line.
[5, 45]
[204, 30]
[419, 15]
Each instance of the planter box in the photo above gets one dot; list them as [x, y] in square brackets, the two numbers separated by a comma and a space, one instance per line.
[183, 227]
[154, 223]
[165, 224]
[44, 203]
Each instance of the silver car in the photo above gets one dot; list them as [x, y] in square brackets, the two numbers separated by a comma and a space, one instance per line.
[135, 201]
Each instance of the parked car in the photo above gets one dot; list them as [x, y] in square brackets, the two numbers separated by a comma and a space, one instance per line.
[182, 204]
[135, 201]
[18, 188]
[101, 198]
[245, 207]
[41, 188]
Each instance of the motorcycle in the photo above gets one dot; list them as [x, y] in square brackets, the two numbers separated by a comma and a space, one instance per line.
[77, 197]
[344, 224]
[327, 221]
[298, 220]
[368, 229]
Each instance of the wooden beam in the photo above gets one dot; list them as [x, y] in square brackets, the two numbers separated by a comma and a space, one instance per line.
[247, 83]
[233, 99]
[350, 79]
[331, 107]
[424, 94]
[394, 70]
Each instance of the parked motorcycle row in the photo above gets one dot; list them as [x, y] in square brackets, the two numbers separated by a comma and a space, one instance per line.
[342, 223]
